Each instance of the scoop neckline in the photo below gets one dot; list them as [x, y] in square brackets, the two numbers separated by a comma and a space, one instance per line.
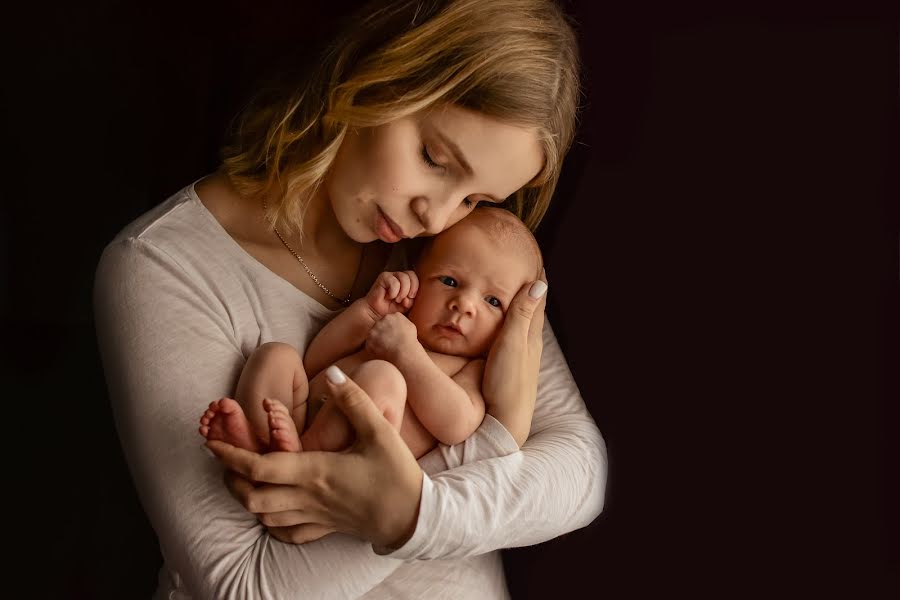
[239, 251]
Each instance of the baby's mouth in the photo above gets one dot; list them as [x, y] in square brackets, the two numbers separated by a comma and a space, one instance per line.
[450, 328]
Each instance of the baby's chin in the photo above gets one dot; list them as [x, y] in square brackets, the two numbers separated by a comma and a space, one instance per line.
[458, 347]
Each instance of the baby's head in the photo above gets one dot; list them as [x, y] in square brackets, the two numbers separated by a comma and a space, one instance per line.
[468, 275]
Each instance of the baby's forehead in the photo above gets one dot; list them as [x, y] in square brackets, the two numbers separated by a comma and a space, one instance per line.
[491, 247]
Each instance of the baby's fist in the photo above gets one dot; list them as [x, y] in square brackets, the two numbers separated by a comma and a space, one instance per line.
[390, 336]
[393, 292]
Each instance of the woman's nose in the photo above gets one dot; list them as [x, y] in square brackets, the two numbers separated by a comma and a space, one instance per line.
[433, 213]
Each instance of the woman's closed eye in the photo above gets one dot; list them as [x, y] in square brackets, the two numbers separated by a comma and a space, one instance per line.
[433, 164]
[426, 156]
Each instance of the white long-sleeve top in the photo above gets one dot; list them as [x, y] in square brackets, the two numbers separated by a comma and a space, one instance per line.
[179, 308]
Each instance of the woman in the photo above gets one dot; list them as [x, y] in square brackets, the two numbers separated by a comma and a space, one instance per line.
[419, 113]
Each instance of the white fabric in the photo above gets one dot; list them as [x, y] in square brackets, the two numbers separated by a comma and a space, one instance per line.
[179, 308]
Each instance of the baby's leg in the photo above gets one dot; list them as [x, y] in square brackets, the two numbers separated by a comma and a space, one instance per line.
[273, 371]
[330, 429]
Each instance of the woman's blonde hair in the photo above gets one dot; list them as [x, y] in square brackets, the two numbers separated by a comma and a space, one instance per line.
[514, 60]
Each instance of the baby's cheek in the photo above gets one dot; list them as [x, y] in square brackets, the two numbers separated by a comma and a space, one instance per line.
[493, 331]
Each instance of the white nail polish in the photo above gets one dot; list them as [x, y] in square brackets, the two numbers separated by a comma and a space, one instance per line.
[537, 289]
[335, 375]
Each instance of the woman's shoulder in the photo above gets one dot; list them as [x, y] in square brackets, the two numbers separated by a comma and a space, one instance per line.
[174, 214]
[180, 227]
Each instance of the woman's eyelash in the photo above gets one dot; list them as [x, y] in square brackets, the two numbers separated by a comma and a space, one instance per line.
[427, 158]
[469, 204]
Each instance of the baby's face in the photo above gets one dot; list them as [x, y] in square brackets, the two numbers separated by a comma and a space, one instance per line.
[466, 282]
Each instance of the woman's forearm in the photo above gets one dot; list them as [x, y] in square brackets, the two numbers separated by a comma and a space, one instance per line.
[500, 497]
[159, 379]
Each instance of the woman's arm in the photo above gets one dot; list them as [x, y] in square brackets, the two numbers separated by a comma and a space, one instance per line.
[500, 498]
[168, 347]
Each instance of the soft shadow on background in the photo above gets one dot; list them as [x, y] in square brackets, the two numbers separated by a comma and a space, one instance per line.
[722, 266]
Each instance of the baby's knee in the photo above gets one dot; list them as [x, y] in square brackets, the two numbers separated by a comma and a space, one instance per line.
[381, 380]
[277, 352]
[274, 361]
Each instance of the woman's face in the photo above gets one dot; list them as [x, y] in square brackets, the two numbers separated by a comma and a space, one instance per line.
[421, 174]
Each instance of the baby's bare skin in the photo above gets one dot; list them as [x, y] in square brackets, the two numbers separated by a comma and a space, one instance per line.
[435, 345]
[225, 420]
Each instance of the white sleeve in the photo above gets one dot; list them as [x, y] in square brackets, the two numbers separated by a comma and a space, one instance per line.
[168, 349]
[495, 496]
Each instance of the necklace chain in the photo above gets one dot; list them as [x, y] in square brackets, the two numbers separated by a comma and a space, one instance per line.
[342, 301]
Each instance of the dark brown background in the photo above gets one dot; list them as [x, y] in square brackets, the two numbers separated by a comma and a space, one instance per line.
[723, 264]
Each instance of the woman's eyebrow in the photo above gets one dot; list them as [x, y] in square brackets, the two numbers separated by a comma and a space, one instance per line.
[457, 153]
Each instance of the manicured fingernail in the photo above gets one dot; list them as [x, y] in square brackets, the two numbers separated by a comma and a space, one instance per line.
[537, 289]
[335, 375]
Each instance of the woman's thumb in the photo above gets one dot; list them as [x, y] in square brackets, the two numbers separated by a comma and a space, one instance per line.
[525, 302]
[353, 401]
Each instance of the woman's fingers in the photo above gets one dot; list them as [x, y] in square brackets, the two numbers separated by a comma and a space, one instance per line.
[239, 486]
[276, 467]
[300, 534]
[530, 300]
[285, 518]
[272, 498]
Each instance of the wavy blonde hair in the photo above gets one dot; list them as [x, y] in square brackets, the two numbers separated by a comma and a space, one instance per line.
[514, 60]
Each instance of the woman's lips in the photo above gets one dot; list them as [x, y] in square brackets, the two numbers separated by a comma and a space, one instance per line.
[386, 229]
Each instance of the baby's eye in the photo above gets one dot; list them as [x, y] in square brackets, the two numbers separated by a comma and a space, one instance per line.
[469, 204]
[493, 301]
[449, 281]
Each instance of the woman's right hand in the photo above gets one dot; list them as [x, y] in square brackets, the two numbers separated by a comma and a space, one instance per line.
[370, 490]
[510, 378]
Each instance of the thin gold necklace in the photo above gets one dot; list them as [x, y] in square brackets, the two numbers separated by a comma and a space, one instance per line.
[342, 301]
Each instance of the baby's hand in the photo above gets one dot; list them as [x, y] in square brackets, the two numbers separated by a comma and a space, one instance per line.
[393, 292]
[390, 336]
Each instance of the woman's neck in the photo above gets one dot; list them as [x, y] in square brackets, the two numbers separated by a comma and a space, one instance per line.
[323, 235]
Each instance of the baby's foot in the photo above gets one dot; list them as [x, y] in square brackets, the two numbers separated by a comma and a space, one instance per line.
[283, 436]
[225, 420]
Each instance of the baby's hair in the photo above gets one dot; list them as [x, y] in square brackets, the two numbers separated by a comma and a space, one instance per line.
[513, 60]
[508, 231]
[505, 229]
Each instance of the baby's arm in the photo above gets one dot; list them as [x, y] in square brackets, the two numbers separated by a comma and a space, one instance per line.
[392, 292]
[449, 408]
[341, 336]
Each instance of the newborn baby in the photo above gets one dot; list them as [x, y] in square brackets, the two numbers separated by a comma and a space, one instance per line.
[416, 344]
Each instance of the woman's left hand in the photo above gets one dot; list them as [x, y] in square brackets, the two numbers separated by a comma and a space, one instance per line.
[370, 490]
[510, 379]
[287, 526]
